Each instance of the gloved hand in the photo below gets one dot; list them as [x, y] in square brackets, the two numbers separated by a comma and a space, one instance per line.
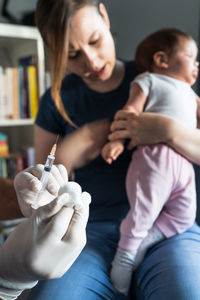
[45, 245]
[27, 186]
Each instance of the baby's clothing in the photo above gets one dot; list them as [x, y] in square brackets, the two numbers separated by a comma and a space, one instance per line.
[160, 183]
[126, 262]
[170, 97]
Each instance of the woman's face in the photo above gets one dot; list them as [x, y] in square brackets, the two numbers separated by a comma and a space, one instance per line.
[91, 52]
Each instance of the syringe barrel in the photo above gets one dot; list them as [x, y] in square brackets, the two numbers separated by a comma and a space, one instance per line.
[49, 163]
[44, 179]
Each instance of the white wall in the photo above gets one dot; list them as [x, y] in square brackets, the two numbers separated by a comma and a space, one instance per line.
[132, 20]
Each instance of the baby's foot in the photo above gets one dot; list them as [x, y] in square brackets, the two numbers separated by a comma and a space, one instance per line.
[122, 268]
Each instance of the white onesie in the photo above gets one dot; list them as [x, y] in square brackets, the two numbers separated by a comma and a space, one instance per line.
[169, 96]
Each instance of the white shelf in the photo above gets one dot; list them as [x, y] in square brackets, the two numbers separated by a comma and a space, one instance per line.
[10, 123]
[19, 31]
[18, 39]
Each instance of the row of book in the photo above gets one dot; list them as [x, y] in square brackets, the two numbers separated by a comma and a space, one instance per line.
[18, 92]
[11, 164]
[3, 144]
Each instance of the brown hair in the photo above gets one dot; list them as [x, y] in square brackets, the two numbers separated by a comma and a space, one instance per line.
[52, 19]
[162, 40]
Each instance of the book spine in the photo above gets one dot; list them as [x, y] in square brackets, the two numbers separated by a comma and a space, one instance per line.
[15, 93]
[33, 91]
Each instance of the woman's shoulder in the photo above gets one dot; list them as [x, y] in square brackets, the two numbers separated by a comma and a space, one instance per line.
[130, 69]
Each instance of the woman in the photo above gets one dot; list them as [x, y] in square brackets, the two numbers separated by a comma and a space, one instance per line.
[79, 31]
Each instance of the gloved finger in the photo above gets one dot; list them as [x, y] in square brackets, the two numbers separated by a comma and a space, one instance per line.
[74, 191]
[53, 180]
[63, 172]
[36, 170]
[55, 217]
[80, 218]
[57, 178]
[27, 187]
[47, 211]
[28, 181]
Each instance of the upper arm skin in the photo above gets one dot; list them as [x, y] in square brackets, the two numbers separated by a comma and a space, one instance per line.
[137, 98]
[74, 150]
[43, 142]
[83, 145]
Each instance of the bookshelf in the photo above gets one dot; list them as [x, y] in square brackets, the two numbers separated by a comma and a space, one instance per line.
[17, 41]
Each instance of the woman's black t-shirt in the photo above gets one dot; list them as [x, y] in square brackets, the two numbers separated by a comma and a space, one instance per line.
[105, 183]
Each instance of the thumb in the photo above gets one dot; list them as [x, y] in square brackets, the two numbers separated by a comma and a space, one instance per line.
[80, 217]
[54, 218]
[133, 143]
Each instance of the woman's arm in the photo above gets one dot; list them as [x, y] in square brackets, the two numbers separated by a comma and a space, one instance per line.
[150, 128]
[43, 142]
[83, 145]
[77, 148]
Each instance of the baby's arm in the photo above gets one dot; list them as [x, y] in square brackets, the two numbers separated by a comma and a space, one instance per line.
[135, 103]
[136, 100]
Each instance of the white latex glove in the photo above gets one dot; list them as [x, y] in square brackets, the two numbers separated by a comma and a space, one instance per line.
[27, 186]
[45, 245]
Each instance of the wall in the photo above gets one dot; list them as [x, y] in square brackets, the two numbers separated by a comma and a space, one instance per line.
[132, 20]
[18, 8]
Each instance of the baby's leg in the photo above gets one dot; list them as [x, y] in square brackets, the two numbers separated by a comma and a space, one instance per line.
[126, 262]
[152, 182]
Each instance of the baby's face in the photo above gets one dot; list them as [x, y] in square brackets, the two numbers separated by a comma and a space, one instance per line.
[182, 63]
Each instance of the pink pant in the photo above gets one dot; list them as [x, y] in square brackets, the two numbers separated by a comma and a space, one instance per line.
[160, 185]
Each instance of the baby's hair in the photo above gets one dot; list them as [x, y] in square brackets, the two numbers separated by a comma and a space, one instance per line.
[162, 40]
[52, 18]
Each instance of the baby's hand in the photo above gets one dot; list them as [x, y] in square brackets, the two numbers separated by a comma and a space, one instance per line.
[112, 150]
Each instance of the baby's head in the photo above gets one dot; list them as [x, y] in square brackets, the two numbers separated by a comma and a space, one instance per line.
[169, 52]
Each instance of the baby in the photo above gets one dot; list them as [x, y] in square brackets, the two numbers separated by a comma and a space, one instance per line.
[160, 182]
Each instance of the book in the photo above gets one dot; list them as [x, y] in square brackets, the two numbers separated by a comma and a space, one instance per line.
[9, 93]
[15, 94]
[33, 91]
[3, 167]
[29, 98]
[2, 113]
[3, 144]
[29, 60]
[21, 99]
[26, 112]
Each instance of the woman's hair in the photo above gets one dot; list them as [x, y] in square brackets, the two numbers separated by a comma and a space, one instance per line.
[162, 40]
[52, 18]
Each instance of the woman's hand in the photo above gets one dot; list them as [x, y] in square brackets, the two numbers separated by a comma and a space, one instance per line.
[146, 128]
[151, 128]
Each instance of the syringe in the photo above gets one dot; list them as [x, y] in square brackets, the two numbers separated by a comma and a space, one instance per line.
[45, 174]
